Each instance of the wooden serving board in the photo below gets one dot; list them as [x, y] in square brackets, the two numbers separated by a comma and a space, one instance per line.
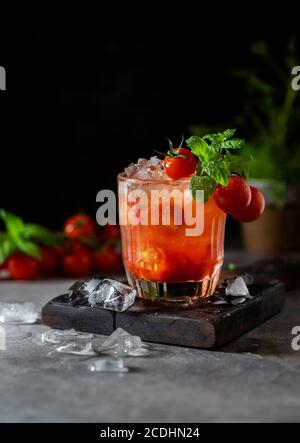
[200, 325]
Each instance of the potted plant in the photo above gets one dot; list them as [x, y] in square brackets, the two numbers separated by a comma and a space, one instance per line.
[271, 114]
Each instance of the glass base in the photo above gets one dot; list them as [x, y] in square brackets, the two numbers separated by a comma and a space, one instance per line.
[180, 292]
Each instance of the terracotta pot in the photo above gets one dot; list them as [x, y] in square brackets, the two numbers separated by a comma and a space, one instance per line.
[275, 231]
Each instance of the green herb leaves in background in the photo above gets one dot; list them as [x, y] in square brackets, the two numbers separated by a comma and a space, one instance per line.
[216, 163]
[22, 237]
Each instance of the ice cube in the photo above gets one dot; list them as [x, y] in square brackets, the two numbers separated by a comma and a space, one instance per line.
[151, 169]
[18, 313]
[248, 279]
[113, 295]
[81, 289]
[237, 288]
[237, 300]
[77, 348]
[54, 337]
[120, 342]
[108, 365]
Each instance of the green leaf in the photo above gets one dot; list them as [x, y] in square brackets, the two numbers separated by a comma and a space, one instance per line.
[29, 248]
[228, 133]
[40, 234]
[14, 225]
[199, 183]
[217, 170]
[198, 146]
[213, 137]
[7, 247]
[234, 143]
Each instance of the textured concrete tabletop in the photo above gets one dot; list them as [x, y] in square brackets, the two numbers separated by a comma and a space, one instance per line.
[256, 378]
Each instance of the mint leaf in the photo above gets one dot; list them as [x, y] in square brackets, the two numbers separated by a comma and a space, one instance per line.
[217, 170]
[228, 134]
[199, 183]
[234, 143]
[215, 161]
[198, 146]
[213, 137]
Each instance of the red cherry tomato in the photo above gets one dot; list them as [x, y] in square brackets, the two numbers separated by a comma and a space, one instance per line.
[183, 164]
[78, 263]
[23, 267]
[234, 197]
[255, 208]
[108, 259]
[49, 260]
[79, 225]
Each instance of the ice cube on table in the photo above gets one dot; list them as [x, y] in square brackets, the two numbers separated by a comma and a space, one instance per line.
[113, 295]
[18, 313]
[237, 300]
[54, 337]
[81, 289]
[108, 365]
[237, 288]
[77, 348]
[120, 342]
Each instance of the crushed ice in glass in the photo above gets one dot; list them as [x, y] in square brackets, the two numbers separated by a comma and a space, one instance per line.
[113, 295]
[144, 169]
[108, 365]
[120, 342]
[18, 313]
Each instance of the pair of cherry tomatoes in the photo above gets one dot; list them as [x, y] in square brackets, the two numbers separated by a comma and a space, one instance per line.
[245, 203]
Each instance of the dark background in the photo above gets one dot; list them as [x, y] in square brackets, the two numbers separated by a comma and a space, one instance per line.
[81, 106]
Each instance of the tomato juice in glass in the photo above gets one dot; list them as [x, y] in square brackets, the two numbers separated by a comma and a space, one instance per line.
[161, 261]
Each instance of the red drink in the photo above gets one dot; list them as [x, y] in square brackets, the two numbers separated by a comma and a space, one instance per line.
[162, 261]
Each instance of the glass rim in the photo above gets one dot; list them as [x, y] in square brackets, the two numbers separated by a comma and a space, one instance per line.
[123, 177]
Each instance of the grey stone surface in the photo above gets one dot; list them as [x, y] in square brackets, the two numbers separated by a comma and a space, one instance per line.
[256, 378]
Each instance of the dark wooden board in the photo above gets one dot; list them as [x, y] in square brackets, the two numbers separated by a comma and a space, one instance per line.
[200, 326]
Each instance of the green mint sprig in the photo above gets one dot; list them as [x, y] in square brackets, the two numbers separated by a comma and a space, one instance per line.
[216, 163]
[22, 237]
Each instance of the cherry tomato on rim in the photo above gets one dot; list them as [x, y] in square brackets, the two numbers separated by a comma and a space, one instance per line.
[180, 163]
[234, 197]
[79, 225]
[23, 267]
[255, 208]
